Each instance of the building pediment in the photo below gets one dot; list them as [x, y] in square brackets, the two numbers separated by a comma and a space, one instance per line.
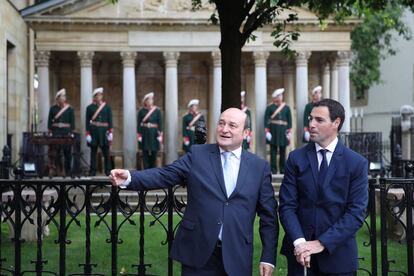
[123, 10]
[134, 12]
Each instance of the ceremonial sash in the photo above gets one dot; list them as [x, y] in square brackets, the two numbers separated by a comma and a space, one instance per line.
[60, 112]
[149, 114]
[194, 120]
[277, 111]
[98, 111]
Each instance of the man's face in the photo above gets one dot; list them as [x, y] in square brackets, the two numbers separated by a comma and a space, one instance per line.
[278, 99]
[61, 99]
[149, 101]
[98, 97]
[322, 130]
[193, 108]
[230, 129]
[317, 96]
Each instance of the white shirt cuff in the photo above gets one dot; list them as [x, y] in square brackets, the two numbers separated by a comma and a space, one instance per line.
[298, 241]
[126, 182]
[272, 265]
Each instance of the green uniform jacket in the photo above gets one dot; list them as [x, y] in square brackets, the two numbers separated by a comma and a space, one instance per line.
[99, 133]
[187, 132]
[306, 113]
[246, 145]
[67, 117]
[149, 134]
[278, 131]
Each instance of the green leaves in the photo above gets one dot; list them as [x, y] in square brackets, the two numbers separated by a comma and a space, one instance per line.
[372, 41]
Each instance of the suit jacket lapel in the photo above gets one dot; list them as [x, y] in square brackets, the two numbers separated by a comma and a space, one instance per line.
[313, 160]
[335, 160]
[217, 168]
[241, 178]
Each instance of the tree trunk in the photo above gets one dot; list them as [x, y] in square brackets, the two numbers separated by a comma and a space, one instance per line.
[231, 69]
[231, 15]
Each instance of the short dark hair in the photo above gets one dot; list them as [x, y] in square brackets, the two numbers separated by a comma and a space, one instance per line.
[336, 110]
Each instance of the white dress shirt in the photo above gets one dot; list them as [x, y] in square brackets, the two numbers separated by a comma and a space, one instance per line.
[330, 150]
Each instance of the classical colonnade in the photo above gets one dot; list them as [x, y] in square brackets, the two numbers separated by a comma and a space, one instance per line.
[334, 79]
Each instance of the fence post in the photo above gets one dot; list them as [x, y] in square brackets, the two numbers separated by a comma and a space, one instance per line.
[383, 202]
[114, 227]
[409, 193]
[170, 229]
[373, 225]
[62, 229]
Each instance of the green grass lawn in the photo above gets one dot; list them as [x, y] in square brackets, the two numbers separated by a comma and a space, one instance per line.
[155, 252]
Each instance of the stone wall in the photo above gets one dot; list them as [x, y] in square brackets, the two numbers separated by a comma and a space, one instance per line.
[14, 111]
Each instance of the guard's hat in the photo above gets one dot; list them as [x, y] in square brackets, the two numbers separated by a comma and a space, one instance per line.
[97, 90]
[316, 89]
[277, 92]
[193, 102]
[243, 93]
[61, 92]
[147, 96]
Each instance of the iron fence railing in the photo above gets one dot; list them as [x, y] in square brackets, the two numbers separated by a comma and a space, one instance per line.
[54, 203]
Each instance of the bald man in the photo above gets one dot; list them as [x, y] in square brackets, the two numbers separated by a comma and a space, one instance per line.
[226, 187]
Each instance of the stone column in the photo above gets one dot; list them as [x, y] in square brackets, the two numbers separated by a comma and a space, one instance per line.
[129, 110]
[215, 102]
[325, 80]
[301, 90]
[85, 97]
[43, 99]
[260, 88]
[343, 87]
[334, 78]
[289, 85]
[171, 106]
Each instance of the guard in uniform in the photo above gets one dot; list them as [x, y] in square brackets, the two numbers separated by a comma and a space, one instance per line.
[189, 121]
[61, 122]
[248, 138]
[316, 97]
[278, 127]
[149, 131]
[99, 130]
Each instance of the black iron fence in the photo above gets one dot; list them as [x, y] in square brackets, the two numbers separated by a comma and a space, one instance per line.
[60, 203]
[54, 203]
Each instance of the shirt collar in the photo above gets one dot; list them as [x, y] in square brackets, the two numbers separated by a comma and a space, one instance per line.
[331, 147]
[237, 152]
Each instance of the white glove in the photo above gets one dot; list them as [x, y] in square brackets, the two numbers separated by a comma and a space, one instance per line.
[109, 136]
[139, 138]
[248, 138]
[159, 138]
[268, 136]
[288, 135]
[306, 136]
[186, 141]
[88, 139]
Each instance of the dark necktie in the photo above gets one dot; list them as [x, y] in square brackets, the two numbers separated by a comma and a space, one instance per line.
[323, 169]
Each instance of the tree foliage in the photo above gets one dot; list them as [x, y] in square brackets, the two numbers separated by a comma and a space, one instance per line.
[238, 19]
[372, 42]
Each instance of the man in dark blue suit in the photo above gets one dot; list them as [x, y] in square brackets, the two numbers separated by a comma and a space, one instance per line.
[323, 198]
[226, 187]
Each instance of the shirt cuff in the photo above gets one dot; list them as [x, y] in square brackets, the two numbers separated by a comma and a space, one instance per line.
[298, 241]
[126, 182]
[272, 265]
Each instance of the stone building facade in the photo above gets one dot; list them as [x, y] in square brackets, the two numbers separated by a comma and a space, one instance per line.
[135, 47]
[14, 76]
